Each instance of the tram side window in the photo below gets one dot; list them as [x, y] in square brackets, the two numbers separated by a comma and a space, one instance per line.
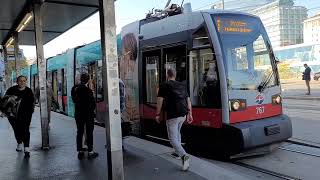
[175, 58]
[204, 82]
[200, 38]
[152, 76]
[64, 87]
[79, 70]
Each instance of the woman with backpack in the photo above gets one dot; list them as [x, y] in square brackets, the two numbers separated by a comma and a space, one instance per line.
[20, 121]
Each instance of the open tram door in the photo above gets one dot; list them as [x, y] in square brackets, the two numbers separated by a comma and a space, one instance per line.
[196, 66]
[156, 62]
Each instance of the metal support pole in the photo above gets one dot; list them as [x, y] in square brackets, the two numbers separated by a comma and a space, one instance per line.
[42, 64]
[16, 53]
[111, 89]
[7, 75]
[223, 4]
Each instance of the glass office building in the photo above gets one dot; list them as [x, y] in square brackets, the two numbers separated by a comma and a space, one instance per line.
[283, 22]
[240, 5]
[311, 28]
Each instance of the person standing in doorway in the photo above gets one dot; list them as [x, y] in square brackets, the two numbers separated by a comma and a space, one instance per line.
[21, 122]
[178, 109]
[307, 77]
[85, 105]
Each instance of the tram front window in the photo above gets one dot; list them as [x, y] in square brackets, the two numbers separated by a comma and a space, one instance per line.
[247, 54]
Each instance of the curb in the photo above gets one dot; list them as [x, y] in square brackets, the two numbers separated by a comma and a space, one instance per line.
[302, 98]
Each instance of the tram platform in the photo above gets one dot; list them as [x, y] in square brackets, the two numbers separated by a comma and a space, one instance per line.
[143, 160]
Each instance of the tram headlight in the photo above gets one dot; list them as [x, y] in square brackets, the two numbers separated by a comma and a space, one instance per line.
[235, 105]
[276, 99]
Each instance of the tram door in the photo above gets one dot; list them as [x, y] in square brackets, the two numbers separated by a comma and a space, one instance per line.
[32, 84]
[155, 66]
[92, 70]
[54, 85]
[64, 91]
[204, 83]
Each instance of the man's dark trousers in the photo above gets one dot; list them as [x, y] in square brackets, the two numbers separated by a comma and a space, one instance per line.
[87, 123]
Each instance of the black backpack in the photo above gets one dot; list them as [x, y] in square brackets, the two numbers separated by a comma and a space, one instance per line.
[178, 91]
[9, 105]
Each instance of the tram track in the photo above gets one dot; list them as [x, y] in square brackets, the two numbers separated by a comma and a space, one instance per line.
[302, 144]
[265, 171]
[296, 147]
[298, 151]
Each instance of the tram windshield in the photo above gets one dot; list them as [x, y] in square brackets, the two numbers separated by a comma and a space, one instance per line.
[246, 51]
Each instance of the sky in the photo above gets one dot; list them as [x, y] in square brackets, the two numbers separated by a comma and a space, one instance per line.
[89, 30]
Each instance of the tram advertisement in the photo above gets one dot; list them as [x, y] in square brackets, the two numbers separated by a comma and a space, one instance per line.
[129, 72]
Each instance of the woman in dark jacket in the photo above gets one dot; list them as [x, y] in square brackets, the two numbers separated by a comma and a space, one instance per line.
[21, 122]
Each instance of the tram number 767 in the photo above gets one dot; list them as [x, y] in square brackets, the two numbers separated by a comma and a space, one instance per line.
[260, 109]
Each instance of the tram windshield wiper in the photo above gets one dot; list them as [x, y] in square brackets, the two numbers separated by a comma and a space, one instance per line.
[262, 86]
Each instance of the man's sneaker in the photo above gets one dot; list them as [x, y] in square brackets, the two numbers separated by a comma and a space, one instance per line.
[26, 152]
[175, 155]
[80, 155]
[19, 147]
[92, 155]
[185, 162]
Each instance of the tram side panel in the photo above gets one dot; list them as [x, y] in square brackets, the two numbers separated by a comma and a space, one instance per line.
[129, 64]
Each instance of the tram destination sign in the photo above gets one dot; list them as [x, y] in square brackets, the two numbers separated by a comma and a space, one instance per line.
[234, 25]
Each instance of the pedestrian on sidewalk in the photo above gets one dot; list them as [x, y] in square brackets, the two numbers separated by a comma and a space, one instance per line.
[307, 77]
[85, 105]
[21, 121]
[178, 108]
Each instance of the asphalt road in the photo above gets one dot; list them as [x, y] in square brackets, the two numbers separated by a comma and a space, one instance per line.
[300, 162]
[305, 117]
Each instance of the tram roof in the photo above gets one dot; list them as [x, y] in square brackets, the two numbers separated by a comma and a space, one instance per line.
[58, 17]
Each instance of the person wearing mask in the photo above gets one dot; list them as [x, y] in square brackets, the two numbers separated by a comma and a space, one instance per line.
[21, 121]
[85, 105]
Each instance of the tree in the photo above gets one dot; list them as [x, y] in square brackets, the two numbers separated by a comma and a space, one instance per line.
[10, 66]
[285, 71]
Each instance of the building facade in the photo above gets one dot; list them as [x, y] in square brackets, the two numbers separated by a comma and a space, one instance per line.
[311, 29]
[239, 5]
[283, 22]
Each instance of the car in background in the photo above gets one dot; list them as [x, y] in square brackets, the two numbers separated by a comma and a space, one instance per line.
[316, 76]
